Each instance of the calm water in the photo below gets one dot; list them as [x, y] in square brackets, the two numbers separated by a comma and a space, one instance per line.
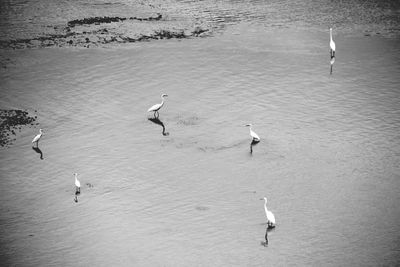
[328, 160]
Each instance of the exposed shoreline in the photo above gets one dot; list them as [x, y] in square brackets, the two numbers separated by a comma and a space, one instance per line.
[98, 31]
[134, 23]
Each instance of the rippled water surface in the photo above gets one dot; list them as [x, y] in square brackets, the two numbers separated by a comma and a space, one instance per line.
[184, 190]
[20, 19]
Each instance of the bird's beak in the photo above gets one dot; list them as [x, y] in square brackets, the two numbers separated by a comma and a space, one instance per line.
[261, 199]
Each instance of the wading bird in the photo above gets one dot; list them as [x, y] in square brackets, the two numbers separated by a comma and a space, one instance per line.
[155, 108]
[37, 138]
[332, 44]
[77, 184]
[269, 214]
[253, 135]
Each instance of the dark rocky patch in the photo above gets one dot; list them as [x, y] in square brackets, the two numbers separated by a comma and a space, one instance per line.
[97, 38]
[11, 120]
[42, 41]
[94, 20]
[162, 34]
[147, 19]
[99, 20]
[198, 31]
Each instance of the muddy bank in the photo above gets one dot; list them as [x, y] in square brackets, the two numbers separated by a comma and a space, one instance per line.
[98, 20]
[98, 31]
[99, 37]
[113, 24]
[12, 121]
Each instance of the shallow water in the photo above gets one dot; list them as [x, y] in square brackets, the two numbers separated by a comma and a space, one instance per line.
[328, 159]
[21, 19]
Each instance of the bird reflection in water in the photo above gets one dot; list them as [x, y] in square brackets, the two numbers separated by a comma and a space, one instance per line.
[253, 143]
[156, 120]
[267, 230]
[332, 46]
[76, 197]
[332, 61]
[37, 150]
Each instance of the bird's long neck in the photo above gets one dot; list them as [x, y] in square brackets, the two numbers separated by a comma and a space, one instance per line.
[162, 101]
[265, 207]
[330, 34]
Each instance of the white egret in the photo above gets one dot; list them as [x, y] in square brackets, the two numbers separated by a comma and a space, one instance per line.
[155, 108]
[253, 135]
[332, 44]
[270, 215]
[37, 138]
[77, 183]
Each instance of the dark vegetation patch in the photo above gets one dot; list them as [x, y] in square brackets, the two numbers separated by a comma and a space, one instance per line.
[105, 19]
[11, 121]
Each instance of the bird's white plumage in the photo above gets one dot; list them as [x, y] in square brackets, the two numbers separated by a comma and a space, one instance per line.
[156, 107]
[269, 214]
[77, 183]
[253, 134]
[37, 137]
[332, 43]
